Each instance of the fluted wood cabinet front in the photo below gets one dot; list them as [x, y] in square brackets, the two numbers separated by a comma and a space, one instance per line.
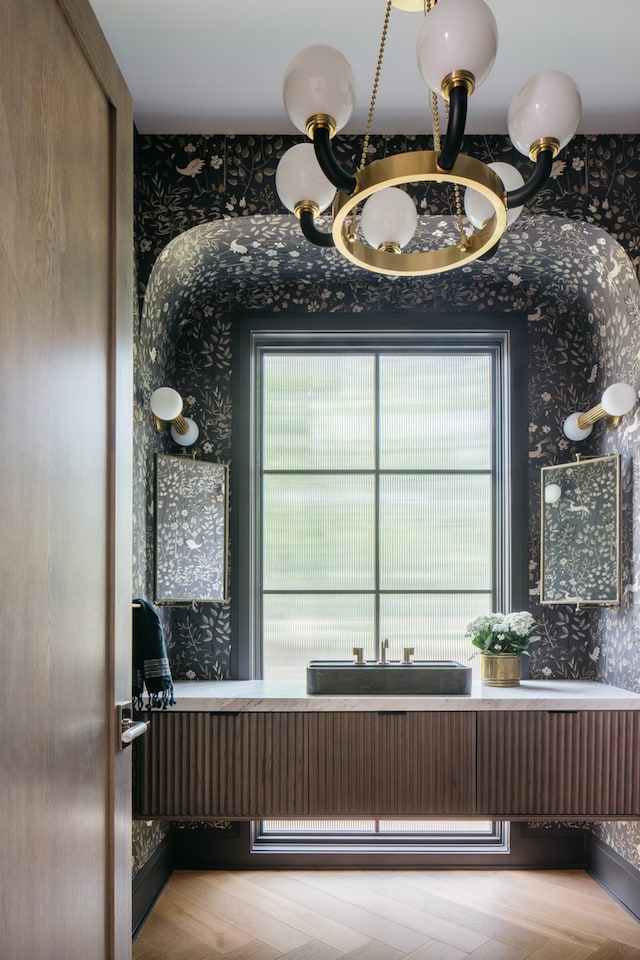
[559, 763]
[253, 765]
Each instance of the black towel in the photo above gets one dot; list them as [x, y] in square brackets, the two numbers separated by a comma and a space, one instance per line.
[150, 663]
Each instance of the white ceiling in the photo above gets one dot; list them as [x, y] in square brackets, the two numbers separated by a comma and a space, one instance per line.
[216, 66]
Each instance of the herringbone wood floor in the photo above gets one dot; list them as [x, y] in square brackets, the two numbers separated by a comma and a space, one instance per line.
[386, 915]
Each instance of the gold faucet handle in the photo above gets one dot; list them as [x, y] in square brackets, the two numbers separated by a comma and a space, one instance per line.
[407, 654]
[358, 654]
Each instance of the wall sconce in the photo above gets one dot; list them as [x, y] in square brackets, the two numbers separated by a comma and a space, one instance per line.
[166, 405]
[552, 492]
[617, 401]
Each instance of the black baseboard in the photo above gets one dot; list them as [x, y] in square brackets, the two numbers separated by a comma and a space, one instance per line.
[149, 881]
[615, 874]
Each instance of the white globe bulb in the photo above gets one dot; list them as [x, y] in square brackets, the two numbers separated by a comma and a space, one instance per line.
[186, 439]
[573, 431]
[552, 493]
[548, 105]
[319, 80]
[477, 207]
[618, 399]
[299, 177]
[166, 403]
[457, 35]
[388, 216]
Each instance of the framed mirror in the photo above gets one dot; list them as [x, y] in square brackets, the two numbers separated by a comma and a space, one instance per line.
[580, 536]
[191, 530]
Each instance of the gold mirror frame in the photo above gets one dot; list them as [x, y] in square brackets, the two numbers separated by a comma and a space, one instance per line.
[580, 532]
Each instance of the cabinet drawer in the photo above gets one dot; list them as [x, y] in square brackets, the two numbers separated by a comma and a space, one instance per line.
[277, 765]
[564, 763]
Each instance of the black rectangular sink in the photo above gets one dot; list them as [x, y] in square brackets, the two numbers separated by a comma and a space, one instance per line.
[422, 677]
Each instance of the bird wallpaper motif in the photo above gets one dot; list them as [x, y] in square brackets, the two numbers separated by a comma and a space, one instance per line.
[214, 243]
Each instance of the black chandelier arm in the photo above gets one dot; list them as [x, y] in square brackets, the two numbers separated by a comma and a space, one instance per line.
[313, 235]
[332, 170]
[528, 190]
[458, 99]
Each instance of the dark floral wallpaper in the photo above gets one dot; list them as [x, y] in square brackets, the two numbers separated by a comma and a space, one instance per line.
[213, 242]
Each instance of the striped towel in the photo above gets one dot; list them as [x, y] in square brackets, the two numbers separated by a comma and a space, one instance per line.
[150, 663]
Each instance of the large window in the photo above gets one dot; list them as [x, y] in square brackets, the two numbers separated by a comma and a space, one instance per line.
[380, 501]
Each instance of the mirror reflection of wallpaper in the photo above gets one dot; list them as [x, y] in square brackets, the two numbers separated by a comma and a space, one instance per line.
[581, 532]
[191, 530]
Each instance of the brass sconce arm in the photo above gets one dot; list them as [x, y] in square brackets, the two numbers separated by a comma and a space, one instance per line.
[166, 406]
[617, 401]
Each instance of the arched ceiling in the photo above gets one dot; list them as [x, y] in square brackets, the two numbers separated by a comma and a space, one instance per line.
[263, 263]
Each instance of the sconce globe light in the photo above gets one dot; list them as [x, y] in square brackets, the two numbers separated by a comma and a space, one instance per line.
[166, 405]
[552, 493]
[456, 47]
[617, 401]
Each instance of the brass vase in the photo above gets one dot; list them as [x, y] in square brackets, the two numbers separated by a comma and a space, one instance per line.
[501, 669]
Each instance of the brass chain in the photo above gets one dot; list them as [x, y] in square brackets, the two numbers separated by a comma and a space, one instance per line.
[374, 91]
[436, 121]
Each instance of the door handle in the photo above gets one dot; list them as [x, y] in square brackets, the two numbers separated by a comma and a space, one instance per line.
[127, 729]
[132, 729]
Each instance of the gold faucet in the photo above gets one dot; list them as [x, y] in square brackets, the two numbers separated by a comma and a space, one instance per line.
[384, 651]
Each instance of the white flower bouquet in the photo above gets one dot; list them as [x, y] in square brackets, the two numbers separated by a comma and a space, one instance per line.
[502, 632]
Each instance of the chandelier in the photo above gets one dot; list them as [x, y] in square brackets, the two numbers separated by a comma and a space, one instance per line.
[374, 220]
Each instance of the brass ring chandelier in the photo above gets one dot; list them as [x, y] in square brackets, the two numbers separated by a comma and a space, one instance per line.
[375, 223]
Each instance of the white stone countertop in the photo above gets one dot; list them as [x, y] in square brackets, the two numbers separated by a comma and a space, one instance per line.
[289, 696]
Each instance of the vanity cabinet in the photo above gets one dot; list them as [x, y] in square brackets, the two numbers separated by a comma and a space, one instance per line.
[493, 764]
[249, 765]
[559, 763]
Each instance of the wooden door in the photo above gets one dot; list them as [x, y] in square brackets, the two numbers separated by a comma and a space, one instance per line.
[65, 475]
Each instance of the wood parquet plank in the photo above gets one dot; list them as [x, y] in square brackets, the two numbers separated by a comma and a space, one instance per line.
[596, 908]
[206, 887]
[168, 939]
[491, 894]
[314, 950]
[616, 951]
[560, 950]
[409, 886]
[329, 904]
[525, 901]
[386, 915]
[424, 922]
[436, 951]
[304, 917]
[198, 921]
[374, 950]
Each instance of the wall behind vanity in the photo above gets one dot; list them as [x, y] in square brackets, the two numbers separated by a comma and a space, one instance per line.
[572, 283]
